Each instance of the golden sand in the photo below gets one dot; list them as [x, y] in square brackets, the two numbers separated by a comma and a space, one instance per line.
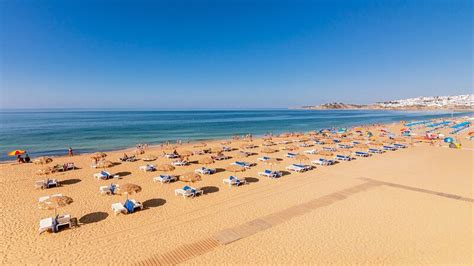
[411, 206]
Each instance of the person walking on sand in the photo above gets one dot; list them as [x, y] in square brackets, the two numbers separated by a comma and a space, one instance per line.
[70, 152]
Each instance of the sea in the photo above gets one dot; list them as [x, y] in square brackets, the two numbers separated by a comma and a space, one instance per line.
[51, 132]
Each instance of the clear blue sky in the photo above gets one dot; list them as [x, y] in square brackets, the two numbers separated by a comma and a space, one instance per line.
[231, 54]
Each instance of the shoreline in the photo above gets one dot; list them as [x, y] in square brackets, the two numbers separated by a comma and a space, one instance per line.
[212, 141]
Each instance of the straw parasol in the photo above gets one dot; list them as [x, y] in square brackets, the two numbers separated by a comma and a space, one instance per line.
[105, 164]
[291, 147]
[216, 150]
[246, 146]
[325, 153]
[303, 139]
[129, 189]
[243, 154]
[235, 168]
[202, 144]
[165, 167]
[42, 160]
[268, 150]
[55, 202]
[271, 162]
[268, 143]
[190, 177]
[149, 158]
[45, 171]
[361, 145]
[301, 157]
[376, 143]
[206, 160]
[98, 155]
[185, 153]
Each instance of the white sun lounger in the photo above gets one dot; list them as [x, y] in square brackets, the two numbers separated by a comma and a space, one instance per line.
[46, 183]
[189, 192]
[323, 162]
[180, 163]
[165, 179]
[147, 168]
[48, 223]
[271, 174]
[106, 189]
[313, 151]
[120, 208]
[41, 199]
[298, 168]
[234, 181]
[205, 171]
[102, 175]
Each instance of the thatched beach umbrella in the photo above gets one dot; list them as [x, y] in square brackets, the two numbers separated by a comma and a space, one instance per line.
[376, 143]
[202, 144]
[303, 139]
[42, 160]
[235, 168]
[243, 154]
[165, 167]
[301, 157]
[190, 177]
[271, 162]
[55, 202]
[326, 153]
[129, 189]
[268, 150]
[268, 143]
[206, 160]
[149, 158]
[291, 147]
[246, 146]
[185, 153]
[98, 155]
[216, 150]
[104, 164]
[361, 146]
[47, 170]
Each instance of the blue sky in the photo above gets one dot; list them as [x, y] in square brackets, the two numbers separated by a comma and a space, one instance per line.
[231, 54]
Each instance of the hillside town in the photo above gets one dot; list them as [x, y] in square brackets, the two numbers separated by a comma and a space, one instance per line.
[466, 100]
[457, 102]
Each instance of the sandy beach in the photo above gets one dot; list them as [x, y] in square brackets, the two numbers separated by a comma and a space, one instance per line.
[410, 206]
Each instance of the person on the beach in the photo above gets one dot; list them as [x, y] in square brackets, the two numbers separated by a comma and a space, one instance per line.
[27, 158]
[70, 152]
[20, 159]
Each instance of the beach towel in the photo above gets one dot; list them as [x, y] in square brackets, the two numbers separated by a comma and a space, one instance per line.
[129, 206]
[112, 188]
[186, 188]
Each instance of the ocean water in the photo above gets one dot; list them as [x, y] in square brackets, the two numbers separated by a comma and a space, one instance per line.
[51, 132]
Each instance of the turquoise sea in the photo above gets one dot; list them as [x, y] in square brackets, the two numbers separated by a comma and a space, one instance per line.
[51, 132]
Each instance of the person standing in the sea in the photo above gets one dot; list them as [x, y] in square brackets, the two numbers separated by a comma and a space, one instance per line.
[70, 152]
